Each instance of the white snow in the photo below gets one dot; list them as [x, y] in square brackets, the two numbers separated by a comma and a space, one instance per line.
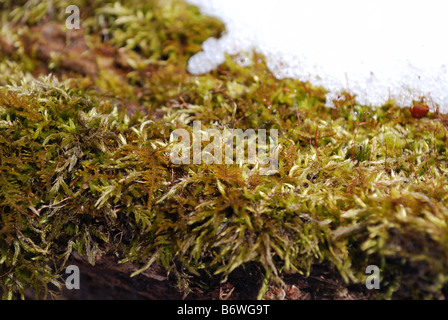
[376, 50]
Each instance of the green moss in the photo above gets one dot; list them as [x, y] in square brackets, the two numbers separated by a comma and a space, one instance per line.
[84, 163]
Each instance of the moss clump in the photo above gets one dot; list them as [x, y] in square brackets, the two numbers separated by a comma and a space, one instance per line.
[84, 161]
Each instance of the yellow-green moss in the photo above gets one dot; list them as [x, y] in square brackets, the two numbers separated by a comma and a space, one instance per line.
[84, 163]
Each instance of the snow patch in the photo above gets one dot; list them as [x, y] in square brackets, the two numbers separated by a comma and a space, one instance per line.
[377, 50]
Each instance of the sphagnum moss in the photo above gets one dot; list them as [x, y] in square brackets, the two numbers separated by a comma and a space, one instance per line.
[85, 167]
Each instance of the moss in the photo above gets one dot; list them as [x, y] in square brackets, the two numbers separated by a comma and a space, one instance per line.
[84, 161]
